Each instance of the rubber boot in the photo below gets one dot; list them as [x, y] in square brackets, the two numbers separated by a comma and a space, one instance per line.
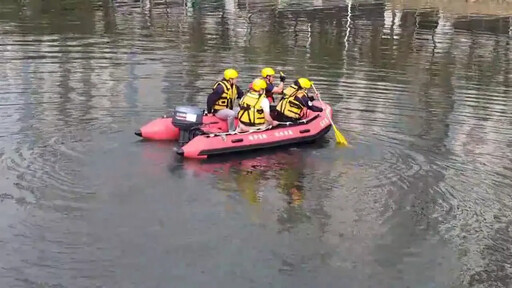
[231, 124]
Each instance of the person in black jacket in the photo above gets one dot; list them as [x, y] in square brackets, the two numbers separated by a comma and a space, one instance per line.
[221, 101]
[296, 102]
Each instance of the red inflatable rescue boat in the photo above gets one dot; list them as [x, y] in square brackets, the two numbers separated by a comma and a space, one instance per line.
[201, 136]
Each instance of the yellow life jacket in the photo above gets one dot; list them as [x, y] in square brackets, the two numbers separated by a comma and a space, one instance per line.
[251, 112]
[269, 95]
[293, 90]
[288, 105]
[228, 97]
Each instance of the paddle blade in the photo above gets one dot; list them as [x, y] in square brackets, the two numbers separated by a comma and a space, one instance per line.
[339, 137]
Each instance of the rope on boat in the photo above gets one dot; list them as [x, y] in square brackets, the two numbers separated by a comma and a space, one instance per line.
[238, 133]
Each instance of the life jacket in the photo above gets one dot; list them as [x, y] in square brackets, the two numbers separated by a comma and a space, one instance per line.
[289, 106]
[294, 90]
[251, 112]
[269, 95]
[228, 97]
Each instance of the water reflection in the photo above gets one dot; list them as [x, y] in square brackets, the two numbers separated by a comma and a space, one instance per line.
[275, 181]
[424, 99]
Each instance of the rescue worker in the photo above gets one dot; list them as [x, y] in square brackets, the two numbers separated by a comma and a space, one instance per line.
[268, 75]
[296, 102]
[255, 108]
[221, 101]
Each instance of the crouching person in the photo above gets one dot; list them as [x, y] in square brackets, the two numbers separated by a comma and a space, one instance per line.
[255, 108]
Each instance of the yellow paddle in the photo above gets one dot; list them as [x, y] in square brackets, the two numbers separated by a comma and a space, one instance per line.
[339, 137]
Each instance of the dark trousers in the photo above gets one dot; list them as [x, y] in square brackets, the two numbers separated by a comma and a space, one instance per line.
[280, 117]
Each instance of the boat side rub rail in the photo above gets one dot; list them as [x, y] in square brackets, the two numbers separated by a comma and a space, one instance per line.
[287, 124]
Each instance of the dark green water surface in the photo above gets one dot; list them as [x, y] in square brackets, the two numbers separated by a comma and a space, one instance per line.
[422, 198]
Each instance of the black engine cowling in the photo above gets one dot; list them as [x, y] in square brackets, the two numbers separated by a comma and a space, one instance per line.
[189, 120]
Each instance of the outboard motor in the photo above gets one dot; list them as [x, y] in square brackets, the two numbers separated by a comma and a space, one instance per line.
[188, 119]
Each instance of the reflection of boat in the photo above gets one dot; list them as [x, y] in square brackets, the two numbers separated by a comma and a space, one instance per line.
[250, 175]
[313, 127]
[248, 172]
[272, 162]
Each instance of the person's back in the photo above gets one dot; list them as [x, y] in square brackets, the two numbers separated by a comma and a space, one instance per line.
[221, 101]
[295, 102]
[255, 108]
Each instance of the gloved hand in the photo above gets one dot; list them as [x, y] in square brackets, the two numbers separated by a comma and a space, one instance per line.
[282, 77]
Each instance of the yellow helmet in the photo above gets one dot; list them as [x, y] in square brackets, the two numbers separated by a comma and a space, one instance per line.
[259, 84]
[267, 72]
[305, 83]
[230, 74]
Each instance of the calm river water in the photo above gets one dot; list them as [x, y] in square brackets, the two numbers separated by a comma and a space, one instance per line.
[421, 198]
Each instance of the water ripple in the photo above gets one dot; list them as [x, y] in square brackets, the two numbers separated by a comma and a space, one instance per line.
[424, 104]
